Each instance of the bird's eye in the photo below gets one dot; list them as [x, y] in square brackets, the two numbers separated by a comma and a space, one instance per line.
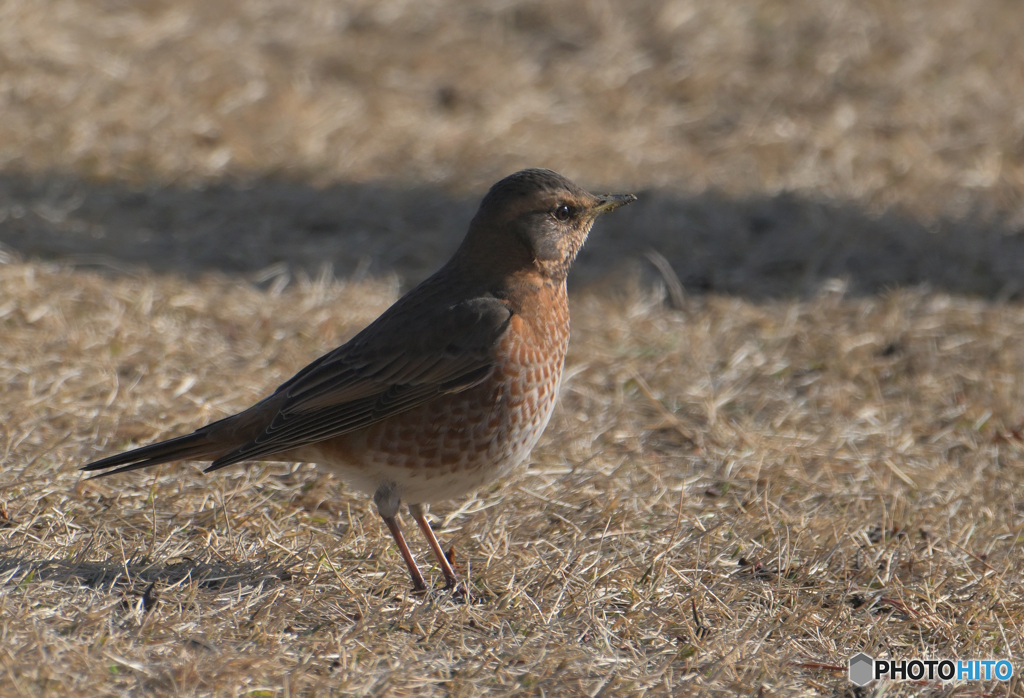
[563, 212]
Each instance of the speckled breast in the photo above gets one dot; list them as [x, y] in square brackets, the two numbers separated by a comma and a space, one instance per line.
[459, 442]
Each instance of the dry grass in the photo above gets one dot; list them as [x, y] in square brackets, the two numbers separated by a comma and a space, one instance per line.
[817, 451]
[814, 478]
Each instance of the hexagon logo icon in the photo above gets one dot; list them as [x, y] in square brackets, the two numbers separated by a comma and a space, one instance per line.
[861, 669]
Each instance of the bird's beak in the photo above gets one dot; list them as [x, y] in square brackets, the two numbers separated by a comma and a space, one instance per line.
[610, 202]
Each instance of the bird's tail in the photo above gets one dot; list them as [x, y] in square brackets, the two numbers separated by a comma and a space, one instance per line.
[196, 445]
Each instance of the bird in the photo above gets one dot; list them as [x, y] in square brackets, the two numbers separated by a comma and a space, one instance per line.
[448, 389]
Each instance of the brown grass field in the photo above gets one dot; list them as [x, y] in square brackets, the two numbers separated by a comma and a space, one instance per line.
[792, 424]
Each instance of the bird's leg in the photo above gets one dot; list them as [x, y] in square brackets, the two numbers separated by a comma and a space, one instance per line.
[386, 499]
[418, 513]
[396, 531]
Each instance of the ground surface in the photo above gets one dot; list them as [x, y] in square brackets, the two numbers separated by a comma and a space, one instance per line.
[791, 428]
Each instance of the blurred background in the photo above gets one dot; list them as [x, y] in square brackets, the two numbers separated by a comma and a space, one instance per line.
[820, 454]
[776, 145]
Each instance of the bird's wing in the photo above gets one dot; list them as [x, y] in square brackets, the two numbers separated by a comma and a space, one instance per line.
[393, 365]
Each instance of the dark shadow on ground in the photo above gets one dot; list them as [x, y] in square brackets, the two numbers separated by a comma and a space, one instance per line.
[138, 574]
[773, 246]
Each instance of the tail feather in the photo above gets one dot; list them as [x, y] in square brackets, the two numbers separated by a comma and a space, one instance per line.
[190, 446]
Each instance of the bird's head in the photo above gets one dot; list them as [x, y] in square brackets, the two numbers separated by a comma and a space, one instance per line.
[536, 218]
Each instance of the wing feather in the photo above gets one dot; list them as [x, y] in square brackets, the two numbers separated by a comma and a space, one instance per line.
[387, 369]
